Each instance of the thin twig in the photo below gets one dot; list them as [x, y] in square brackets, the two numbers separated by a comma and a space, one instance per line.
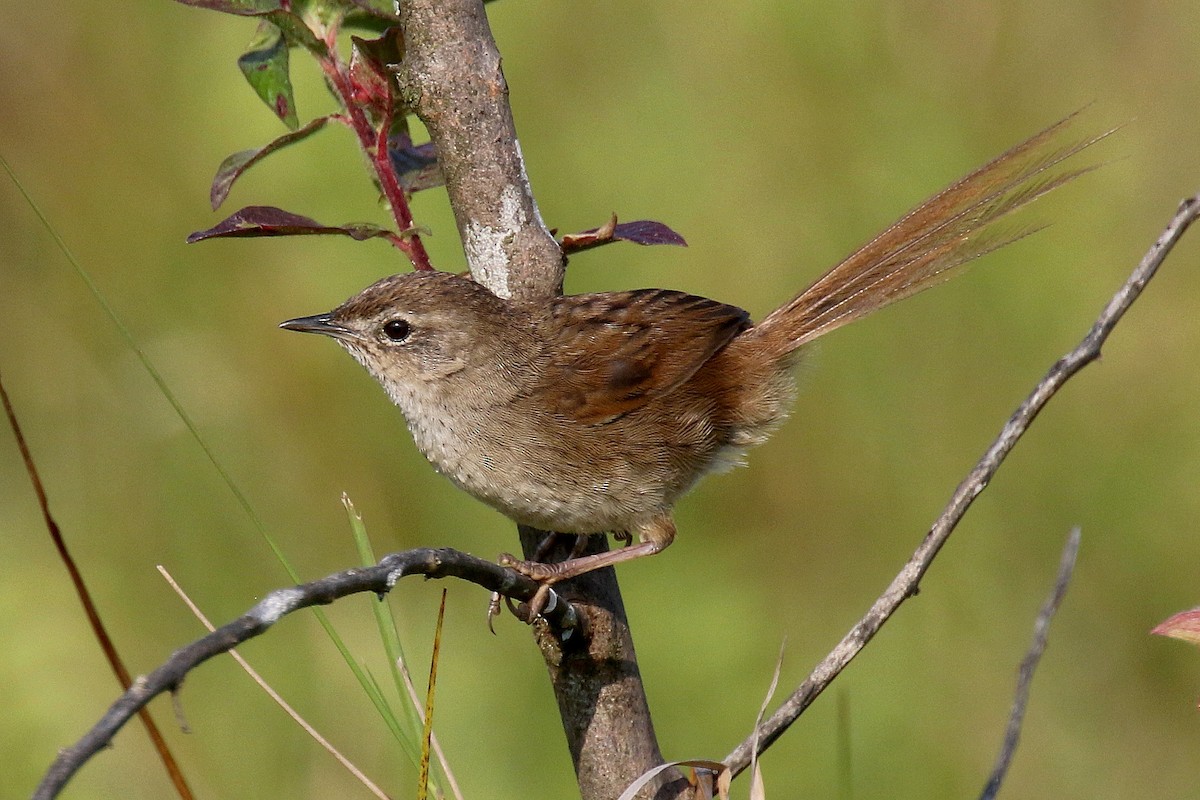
[89, 607]
[1041, 632]
[274, 695]
[905, 584]
[379, 579]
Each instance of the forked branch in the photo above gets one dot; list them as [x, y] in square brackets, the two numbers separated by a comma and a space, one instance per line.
[379, 579]
[905, 584]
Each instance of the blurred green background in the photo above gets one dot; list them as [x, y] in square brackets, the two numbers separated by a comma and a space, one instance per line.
[776, 136]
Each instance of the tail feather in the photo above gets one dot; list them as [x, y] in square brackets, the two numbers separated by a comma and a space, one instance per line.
[930, 244]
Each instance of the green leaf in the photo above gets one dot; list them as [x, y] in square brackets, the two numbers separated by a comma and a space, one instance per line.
[297, 31]
[427, 733]
[265, 65]
[406, 731]
[240, 7]
[232, 168]
[378, 9]
[293, 26]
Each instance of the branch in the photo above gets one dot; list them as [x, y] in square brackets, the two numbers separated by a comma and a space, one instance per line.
[379, 579]
[905, 584]
[1041, 632]
[451, 78]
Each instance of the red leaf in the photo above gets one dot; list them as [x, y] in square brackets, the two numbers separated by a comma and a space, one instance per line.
[271, 221]
[374, 84]
[644, 232]
[240, 7]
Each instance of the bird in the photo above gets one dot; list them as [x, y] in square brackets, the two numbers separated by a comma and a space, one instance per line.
[594, 413]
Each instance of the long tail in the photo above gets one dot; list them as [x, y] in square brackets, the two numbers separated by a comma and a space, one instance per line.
[932, 242]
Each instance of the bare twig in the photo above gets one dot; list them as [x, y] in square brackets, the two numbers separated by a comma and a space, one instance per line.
[89, 607]
[1041, 632]
[905, 584]
[379, 579]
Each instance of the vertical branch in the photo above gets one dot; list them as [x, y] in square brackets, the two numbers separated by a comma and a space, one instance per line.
[451, 77]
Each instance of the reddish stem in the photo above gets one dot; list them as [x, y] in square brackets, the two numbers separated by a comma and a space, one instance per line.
[374, 144]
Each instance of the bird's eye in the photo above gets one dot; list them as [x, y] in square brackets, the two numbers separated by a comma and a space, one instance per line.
[396, 329]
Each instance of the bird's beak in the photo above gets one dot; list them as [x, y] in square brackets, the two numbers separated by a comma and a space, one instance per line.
[319, 323]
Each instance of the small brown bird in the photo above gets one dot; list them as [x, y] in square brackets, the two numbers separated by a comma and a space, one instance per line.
[595, 413]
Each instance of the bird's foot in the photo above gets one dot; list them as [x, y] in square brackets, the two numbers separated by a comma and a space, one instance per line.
[544, 574]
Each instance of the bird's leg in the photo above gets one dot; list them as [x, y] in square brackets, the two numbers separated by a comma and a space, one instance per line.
[653, 537]
[538, 602]
[581, 543]
[546, 545]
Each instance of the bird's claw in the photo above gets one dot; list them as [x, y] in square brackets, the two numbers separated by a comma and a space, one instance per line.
[493, 611]
[543, 600]
[545, 574]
